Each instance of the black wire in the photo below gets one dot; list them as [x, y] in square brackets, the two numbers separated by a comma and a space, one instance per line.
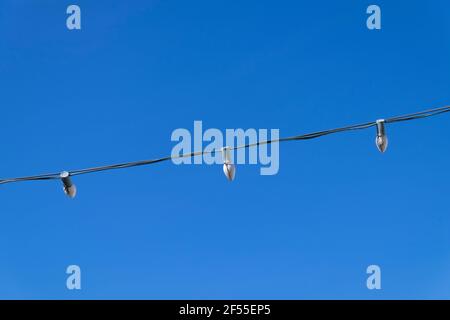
[32, 178]
[412, 116]
[419, 115]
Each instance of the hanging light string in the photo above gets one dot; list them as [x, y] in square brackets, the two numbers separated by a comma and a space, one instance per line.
[381, 143]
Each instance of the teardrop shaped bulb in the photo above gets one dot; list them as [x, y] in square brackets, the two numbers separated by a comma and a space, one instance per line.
[382, 143]
[229, 170]
[71, 191]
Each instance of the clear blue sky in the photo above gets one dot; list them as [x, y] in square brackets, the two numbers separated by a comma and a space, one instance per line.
[115, 90]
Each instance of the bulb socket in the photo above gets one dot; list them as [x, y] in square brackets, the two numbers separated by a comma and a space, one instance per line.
[381, 129]
[226, 155]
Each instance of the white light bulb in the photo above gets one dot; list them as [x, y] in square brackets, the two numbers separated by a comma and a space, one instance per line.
[69, 188]
[229, 169]
[381, 140]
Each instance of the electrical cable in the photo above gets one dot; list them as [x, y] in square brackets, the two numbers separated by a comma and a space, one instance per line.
[308, 136]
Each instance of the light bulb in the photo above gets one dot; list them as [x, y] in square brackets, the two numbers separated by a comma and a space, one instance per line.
[229, 169]
[69, 188]
[381, 140]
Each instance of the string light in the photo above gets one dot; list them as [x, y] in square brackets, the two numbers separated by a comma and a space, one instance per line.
[69, 188]
[381, 140]
[228, 167]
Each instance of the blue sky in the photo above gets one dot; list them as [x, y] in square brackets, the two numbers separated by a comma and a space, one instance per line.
[116, 89]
